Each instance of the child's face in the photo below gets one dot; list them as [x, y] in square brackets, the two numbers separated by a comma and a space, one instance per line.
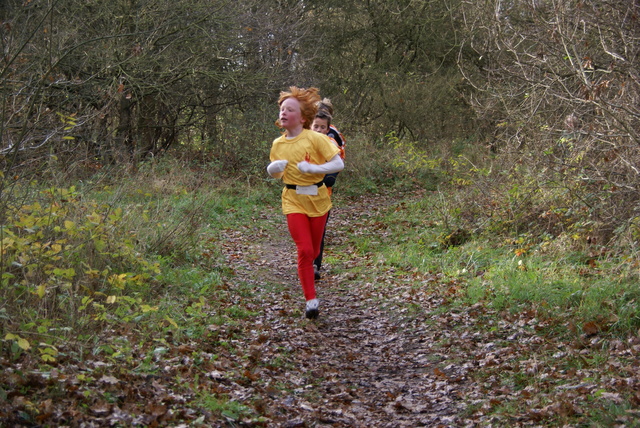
[290, 114]
[320, 125]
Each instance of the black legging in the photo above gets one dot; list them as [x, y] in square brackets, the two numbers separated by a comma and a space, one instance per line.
[318, 261]
[329, 181]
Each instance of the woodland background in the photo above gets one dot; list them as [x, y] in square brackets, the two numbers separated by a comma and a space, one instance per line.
[132, 131]
[529, 95]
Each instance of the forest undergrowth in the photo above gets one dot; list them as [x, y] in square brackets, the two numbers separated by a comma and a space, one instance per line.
[414, 329]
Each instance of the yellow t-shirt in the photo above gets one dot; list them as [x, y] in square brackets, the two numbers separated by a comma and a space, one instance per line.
[320, 150]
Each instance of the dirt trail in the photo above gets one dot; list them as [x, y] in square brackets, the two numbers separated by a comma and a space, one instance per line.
[358, 365]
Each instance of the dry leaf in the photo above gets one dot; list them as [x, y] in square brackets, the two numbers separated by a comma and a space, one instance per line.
[590, 328]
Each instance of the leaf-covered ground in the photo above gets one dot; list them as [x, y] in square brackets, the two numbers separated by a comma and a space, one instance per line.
[384, 353]
[363, 362]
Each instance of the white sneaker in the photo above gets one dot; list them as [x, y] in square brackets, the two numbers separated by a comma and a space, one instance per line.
[312, 309]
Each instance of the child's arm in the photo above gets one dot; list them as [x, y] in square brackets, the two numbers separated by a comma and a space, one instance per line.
[334, 165]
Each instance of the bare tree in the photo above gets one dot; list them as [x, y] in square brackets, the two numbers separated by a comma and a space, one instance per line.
[119, 81]
[558, 81]
[391, 66]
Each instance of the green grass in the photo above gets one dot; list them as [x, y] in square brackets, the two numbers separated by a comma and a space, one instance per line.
[224, 407]
[498, 272]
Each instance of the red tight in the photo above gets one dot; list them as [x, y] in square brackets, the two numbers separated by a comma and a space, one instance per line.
[307, 234]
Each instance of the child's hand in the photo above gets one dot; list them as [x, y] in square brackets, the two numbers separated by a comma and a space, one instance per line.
[278, 165]
[276, 168]
[306, 168]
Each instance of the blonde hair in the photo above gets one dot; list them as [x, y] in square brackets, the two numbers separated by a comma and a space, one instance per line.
[308, 99]
[326, 105]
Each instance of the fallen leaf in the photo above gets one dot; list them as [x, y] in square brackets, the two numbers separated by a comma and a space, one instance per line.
[590, 328]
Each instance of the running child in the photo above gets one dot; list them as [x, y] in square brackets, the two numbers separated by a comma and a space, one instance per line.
[301, 158]
[323, 123]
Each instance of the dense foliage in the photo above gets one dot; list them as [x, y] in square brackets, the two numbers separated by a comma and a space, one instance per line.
[97, 83]
[542, 94]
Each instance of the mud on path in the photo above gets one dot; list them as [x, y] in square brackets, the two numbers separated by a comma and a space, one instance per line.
[365, 362]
